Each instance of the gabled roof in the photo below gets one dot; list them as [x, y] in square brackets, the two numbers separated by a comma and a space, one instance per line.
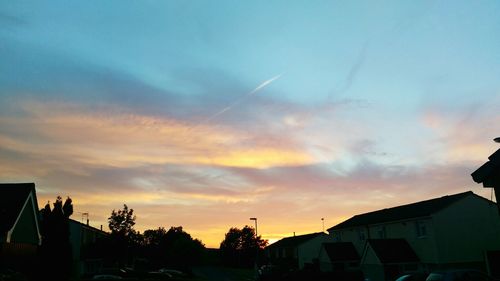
[341, 252]
[13, 197]
[414, 210]
[393, 250]
[294, 241]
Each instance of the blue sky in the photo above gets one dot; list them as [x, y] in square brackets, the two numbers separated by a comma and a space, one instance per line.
[203, 114]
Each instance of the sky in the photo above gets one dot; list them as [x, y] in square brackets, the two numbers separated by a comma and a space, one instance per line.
[204, 114]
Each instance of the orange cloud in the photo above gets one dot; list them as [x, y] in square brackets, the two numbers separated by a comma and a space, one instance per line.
[123, 140]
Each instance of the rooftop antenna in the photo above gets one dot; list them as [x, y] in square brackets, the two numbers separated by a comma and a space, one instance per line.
[85, 215]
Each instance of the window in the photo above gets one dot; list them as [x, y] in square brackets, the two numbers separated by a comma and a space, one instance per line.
[421, 228]
[338, 236]
[381, 233]
[361, 235]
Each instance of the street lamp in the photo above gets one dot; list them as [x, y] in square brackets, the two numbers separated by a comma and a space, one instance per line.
[257, 253]
[255, 219]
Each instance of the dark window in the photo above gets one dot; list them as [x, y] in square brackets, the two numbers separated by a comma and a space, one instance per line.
[361, 235]
[421, 228]
[382, 233]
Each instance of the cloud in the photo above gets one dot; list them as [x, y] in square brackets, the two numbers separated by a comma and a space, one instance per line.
[104, 158]
[86, 136]
[463, 132]
[352, 74]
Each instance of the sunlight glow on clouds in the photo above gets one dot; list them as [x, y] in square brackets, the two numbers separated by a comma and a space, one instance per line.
[175, 109]
[86, 137]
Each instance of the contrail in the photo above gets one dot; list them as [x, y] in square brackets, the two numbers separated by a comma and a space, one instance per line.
[351, 75]
[251, 93]
[263, 84]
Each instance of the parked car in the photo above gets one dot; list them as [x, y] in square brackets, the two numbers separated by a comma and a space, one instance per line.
[459, 275]
[270, 272]
[167, 273]
[417, 276]
[106, 277]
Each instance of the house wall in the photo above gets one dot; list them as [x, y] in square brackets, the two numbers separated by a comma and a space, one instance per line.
[466, 230]
[75, 239]
[25, 230]
[371, 266]
[82, 236]
[19, 256]
[324, 261]
[423, 245]
[354, 235]
[309, 251]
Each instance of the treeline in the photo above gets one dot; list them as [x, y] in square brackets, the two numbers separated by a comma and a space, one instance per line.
[127, 247]
[153, 248]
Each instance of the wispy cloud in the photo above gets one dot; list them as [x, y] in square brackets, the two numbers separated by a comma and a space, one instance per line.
[346, 84]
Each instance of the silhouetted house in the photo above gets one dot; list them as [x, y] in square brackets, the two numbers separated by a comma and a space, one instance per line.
[19, 224]
[84, 240]
[489, 173]
[297, 251]
[336, 256]
[447, 232]
[388, 258]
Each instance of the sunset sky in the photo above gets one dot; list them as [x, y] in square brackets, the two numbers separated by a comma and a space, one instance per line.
[203, 114]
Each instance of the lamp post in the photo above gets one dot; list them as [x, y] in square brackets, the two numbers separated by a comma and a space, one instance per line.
[323, 221]
[257, 253]
[255, 219]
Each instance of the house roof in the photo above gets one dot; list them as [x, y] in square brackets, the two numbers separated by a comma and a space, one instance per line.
[86, 226]
[414, 210]
[393, 250]
[294, 241]
[12, 199]
[488, 174]
[341, 251]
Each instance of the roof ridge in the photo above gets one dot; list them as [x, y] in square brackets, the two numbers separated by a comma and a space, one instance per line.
[415, 209]
[423, 201]
[296, 238]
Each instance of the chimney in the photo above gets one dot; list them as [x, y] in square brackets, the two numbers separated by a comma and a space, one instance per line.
[101, 227]
[294, 234]
[87, 221]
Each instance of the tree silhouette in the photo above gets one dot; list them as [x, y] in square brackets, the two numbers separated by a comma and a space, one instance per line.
[175, 247]
[55, 250]
[154, 237]
[240, 246]
[182, 249]
[121, 222]
[124, 240]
